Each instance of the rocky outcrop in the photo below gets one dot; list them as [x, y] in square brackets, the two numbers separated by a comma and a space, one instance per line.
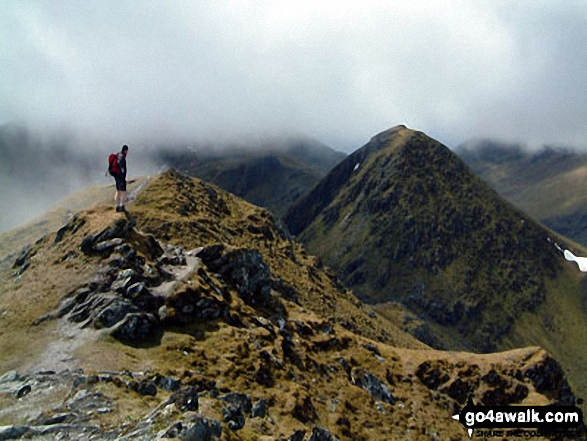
[549, 378]
[84, 404]
[140, 290]
[119, 298]
[498, 385]
[244, 268]
[378, 390]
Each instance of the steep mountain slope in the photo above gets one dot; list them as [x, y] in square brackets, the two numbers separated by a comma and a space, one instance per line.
[403, 219]
[550, 185]
[271, 174]
[195, 316]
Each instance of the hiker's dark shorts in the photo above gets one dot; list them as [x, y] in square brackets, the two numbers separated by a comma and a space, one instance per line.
[120, 182]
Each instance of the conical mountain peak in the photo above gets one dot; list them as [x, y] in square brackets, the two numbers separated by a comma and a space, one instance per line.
[404, 219]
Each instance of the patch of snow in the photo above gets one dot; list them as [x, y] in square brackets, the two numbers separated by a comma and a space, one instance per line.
[581, 261]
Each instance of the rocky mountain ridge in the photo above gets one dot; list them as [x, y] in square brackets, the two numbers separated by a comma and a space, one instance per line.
[195, 316]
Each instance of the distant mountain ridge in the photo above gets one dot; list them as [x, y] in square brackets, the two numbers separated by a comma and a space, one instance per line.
[271, 174]
[549, 184]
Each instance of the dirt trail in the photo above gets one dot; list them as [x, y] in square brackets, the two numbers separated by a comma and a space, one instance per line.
[180, 273]
[59, 354]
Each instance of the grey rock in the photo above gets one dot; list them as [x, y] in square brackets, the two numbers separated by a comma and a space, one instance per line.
[136, 328]
[125, 279]
[167, 383]
[107, 246]
[86, 399]
[89, 307]
[238, 405]
[140, 296]
[173, 256]
[163, 313]
[298, 435]
[372, 384]
[22, 257]
[9, 376]
[79, 381]
[73, 225]
[23, 391]
[373, 348]
[244, 268]
[319, 434]
[186, 399]
[59, 418]
[22, 269]
[203, 429]
[70, 430]
[234, 418]
[238, 400]
[114, 313]
[173, 431]
[123, 248]
[189, 305]
[147, 388]
[259, 409]
[12, 432]
[121, 228]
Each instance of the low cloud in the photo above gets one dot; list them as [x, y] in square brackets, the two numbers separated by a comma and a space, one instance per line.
[155, 73]
[339, 71]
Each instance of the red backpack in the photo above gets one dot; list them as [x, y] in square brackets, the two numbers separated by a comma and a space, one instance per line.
[113, 167]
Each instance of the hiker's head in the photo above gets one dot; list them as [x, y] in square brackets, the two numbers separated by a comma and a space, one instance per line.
[124, 150]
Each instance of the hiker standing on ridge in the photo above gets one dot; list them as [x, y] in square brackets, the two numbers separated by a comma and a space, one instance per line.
[117, 168]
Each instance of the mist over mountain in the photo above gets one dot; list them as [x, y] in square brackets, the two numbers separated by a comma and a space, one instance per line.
[36, 172]
[40, 167]
[270, 172]
[550, 183]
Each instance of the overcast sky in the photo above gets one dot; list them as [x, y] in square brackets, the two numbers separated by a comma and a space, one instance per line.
[133, 71]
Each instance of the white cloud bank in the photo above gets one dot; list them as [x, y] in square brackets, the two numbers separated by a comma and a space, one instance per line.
[132, 71]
